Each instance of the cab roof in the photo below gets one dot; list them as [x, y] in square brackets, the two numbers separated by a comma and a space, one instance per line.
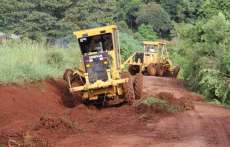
[95, 31]
[154, 43]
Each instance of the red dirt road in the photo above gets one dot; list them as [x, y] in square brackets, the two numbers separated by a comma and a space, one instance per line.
[35, 115]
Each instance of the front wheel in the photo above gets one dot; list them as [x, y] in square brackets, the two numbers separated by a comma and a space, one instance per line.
[151, 69]
[138, 86]
[71, 99]
[160, 70]
[129, 94]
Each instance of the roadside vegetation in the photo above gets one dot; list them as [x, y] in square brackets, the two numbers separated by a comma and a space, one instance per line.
[204, 54]
[153, 104]
[27, 61]
[198, 31]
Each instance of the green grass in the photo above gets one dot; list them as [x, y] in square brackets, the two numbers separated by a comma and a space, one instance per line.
[159, 103]
[152, 101]
[27, 61]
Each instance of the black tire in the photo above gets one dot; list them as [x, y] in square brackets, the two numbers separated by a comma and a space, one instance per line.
[129, 94]
[151, 69]
[138, 86]
[160, 70]
[68, 99]
[176, 70]
[72, 98]
[168, 73]
[134, 69]
[67, 73]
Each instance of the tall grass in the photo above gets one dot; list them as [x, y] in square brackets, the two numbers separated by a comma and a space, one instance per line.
[27, 61]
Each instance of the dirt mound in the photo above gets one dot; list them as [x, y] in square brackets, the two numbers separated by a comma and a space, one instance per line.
[37, 115]
[172, 93]
[29, 102]
[26, 108]
[55, 123]
[180, 104]
[7, 135]
[21, 139]
[148, 111]
[171, 90]
[163, 104]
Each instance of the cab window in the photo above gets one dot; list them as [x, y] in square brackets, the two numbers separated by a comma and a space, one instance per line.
[98, 43]
[151, 48]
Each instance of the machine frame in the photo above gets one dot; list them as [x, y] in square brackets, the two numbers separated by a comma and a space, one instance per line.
[113, 86]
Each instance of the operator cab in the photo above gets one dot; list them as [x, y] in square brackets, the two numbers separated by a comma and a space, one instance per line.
[99, 48]
[154, 47]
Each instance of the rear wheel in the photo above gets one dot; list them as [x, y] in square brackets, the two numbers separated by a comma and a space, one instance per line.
[176, 70]
[128, 89]
[138, 86]
[160, 70]
[151, 69]
[134, 69]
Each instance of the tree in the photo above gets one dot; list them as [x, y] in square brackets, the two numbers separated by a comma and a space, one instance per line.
[213, 7]
[170, 7]
[34, 18]
[206, 50]
[146, 31]
[127, 10]
[12, 13]
[86, 13]
[188, 10]
[152, 14]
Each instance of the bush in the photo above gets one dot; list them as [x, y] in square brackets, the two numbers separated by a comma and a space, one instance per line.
[55, 59]
[157, 105]
[226, 63]
[204, 53]
[214, 86]
[26, 61]
[128, 45]
[154, 15]
[147, 32]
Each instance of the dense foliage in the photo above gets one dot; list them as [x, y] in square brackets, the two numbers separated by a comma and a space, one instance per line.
[206, 50]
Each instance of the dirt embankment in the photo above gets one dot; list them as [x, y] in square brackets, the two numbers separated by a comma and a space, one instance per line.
[35, 115]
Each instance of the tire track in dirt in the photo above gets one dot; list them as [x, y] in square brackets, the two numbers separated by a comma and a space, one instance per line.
[199, 127]
[205, 126]
[213, 122]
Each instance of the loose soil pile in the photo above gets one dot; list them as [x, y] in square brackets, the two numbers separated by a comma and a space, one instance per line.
[39, 115]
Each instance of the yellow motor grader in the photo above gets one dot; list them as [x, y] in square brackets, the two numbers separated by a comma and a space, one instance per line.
[100, 77]
[153, 61]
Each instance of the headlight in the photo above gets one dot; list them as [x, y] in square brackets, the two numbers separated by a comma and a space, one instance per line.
[88, 65]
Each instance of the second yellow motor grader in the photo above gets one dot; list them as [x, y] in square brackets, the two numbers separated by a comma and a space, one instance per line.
[153, 61]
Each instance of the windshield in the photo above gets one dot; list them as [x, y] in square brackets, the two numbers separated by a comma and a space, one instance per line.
[98, 43]
[151, 48]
